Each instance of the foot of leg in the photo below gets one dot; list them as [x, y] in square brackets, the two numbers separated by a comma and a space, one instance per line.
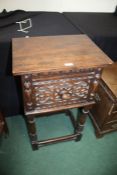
[32, 131]
[81, 122]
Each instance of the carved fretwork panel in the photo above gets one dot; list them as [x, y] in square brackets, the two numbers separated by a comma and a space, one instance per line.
[27, 92]
[42, 92]
[53, 93]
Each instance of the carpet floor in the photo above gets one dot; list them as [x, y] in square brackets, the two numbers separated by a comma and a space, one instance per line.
[90, 156]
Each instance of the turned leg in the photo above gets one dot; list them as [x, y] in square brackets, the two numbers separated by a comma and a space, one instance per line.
[81, 122]
[32, 131]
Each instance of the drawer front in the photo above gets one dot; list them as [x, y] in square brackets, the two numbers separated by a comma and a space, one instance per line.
[53, 93]
[57, 92]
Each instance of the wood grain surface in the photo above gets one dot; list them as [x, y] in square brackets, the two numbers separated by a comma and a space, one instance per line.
[50, 53]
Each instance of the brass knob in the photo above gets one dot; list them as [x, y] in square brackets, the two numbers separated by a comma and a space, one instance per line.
[66, 96]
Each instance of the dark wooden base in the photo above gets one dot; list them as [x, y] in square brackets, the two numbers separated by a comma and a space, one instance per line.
[78, 125]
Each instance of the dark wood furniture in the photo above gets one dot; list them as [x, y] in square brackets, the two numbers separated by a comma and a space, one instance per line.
[104, 112]
[57, 73]
[3, 125]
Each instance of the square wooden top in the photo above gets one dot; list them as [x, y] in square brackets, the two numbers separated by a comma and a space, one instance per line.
[109, 76]
[50, 53]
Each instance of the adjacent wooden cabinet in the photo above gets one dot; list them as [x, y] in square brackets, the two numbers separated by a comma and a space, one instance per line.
[104, 112]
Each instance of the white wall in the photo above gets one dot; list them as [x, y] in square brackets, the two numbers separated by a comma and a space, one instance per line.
[59, 5]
